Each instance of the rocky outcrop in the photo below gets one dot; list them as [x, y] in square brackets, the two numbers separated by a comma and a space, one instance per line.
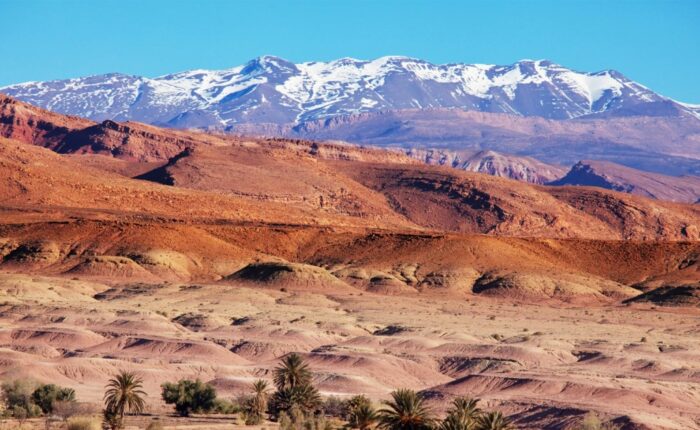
[493, 163]
[615, 177]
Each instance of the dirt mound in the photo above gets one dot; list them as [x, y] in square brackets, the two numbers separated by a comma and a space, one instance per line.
[670, 295]
[125, 291]
[450, 280]
[166, 264]
[198, 322]
[259, 350]
[108, 266]
[386, 371]
[165, 349]
[65, 339]
[288, 275]
[457, 367]
[551, 286]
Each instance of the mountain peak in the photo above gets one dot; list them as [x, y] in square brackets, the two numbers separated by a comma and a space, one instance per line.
[268, 64]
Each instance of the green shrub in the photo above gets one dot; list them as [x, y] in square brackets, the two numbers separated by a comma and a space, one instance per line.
[45, 396]
[189, 396]
[223, 406]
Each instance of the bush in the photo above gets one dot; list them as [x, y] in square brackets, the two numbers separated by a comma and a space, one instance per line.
[84, 423]
[24, 398]
[65, 410]
[18, 394]
[591, 421]
[335, 407]
[298, 420]
[45, 396]
[223, 406]
[189, 396]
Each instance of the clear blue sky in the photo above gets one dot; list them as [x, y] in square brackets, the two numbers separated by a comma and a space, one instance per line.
[654, 42]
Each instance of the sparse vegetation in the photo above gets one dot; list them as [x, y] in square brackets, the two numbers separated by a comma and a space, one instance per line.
[83, 423]
[591, 421]
[295, 419]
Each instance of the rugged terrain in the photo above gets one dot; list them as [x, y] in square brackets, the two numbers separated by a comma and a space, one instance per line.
[176, 253]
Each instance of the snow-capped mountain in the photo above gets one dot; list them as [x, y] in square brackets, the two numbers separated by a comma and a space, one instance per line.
[272, 90]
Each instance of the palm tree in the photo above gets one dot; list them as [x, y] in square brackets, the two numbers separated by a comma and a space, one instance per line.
[466, 406]
[111, 420]
[292, 373]
[462, 416]
[294, 389]
[258, 403]
[455, 422]
[304, 397]
[493, 421]
[406, 411]
[124, 392]
[363, 416]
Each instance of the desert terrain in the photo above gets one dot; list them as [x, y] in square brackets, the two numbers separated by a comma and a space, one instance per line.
[184, 254]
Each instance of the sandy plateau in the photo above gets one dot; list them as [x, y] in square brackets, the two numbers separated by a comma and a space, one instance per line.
[181, 254]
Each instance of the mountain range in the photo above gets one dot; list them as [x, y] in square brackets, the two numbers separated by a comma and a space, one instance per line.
[273, 90]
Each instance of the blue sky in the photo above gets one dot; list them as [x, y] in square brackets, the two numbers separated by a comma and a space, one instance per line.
[654, 42]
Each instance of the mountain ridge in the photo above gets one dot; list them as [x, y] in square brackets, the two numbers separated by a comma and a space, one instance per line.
[291, 181]
[615, 177]
[270, 89]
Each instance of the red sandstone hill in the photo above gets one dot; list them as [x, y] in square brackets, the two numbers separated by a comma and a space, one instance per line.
[301, 182]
